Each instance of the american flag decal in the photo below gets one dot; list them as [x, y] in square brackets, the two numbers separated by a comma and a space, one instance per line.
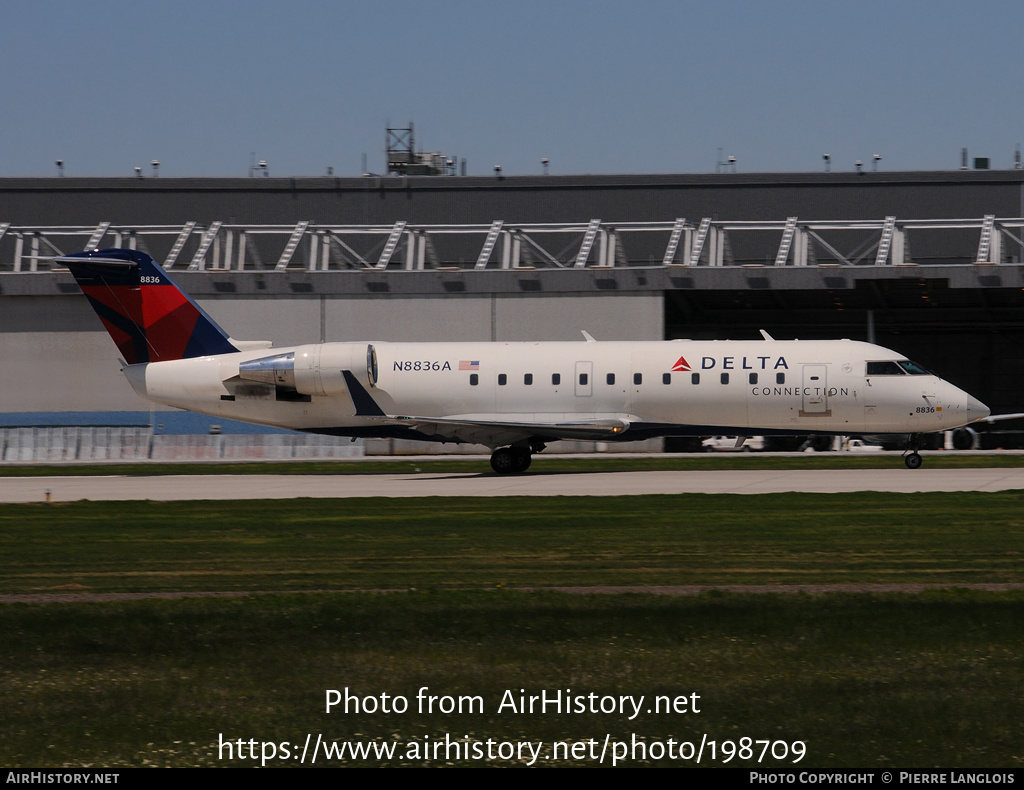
[467, 364]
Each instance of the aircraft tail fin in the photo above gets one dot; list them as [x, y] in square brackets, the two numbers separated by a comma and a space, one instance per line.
[149, 318]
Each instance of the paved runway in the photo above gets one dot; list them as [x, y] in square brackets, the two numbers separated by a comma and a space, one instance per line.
[213, 486]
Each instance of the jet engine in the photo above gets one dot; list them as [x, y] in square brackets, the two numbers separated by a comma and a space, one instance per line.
[965, 438]
[313, 369]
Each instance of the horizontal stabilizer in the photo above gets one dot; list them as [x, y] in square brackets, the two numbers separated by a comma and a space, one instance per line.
[72, 262]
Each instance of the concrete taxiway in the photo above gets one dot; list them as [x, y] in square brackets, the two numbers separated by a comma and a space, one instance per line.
[214, 486]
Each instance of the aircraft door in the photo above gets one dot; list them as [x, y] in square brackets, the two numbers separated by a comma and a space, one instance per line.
[584, 379]
[815, 392]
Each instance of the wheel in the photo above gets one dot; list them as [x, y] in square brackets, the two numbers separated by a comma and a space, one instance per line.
[523, 458]
[913, 461]
[505, 461]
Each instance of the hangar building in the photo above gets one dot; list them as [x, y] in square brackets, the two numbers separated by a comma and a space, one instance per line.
[927, 263]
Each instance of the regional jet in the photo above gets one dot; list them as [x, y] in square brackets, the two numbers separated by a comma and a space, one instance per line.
[513, 397]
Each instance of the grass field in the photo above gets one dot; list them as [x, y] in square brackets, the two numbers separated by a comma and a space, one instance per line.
[382, 544]
[863, 680]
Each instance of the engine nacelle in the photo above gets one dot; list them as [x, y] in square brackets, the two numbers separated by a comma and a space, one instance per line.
[966, 438]
[314, 369]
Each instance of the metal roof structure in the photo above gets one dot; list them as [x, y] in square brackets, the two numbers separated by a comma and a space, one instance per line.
[506, 245]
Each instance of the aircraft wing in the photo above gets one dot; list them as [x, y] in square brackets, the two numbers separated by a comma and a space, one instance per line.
[492, 429]
[1001, 417]
[495, 430]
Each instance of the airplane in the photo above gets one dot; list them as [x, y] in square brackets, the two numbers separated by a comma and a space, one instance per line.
[513, 397]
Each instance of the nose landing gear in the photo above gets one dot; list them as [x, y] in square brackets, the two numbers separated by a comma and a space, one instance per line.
[910, 455]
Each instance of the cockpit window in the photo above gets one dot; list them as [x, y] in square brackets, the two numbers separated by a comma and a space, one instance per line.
[893, 368]
[886, 368]
[913, 368]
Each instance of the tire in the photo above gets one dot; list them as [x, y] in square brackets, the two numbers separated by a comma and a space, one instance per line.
[913, 461]
[505, 461]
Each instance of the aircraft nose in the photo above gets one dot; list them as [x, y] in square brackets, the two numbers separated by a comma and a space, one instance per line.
[976, 410]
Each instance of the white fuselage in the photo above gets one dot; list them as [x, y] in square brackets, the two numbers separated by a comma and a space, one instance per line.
[657, 388]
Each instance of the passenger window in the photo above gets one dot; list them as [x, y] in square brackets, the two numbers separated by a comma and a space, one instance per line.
[753, 378]
[780, 378]
[638, 378]
[556, 378]
[610, 378]
[474, 379]
[528, 379]
[695, 378]
[725, 378]
[502, 379]
[666, 378]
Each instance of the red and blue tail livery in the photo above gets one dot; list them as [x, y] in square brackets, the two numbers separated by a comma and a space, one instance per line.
[149, 318]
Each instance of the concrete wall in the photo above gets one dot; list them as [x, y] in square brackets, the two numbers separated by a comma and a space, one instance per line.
[56, 357]
[517, 199]
[438, 318]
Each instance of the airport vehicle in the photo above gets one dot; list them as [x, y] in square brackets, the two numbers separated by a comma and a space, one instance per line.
[860, 446]
[728, 444]
[512, 397]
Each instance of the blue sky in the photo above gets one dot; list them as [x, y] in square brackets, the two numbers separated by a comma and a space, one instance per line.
[648, 86]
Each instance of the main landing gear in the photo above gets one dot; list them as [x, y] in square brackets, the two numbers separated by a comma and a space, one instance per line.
[910, 455]
[514, 460]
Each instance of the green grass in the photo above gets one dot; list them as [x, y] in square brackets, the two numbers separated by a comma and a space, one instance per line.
[370, 544]
[864, 681]
[879, 681]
